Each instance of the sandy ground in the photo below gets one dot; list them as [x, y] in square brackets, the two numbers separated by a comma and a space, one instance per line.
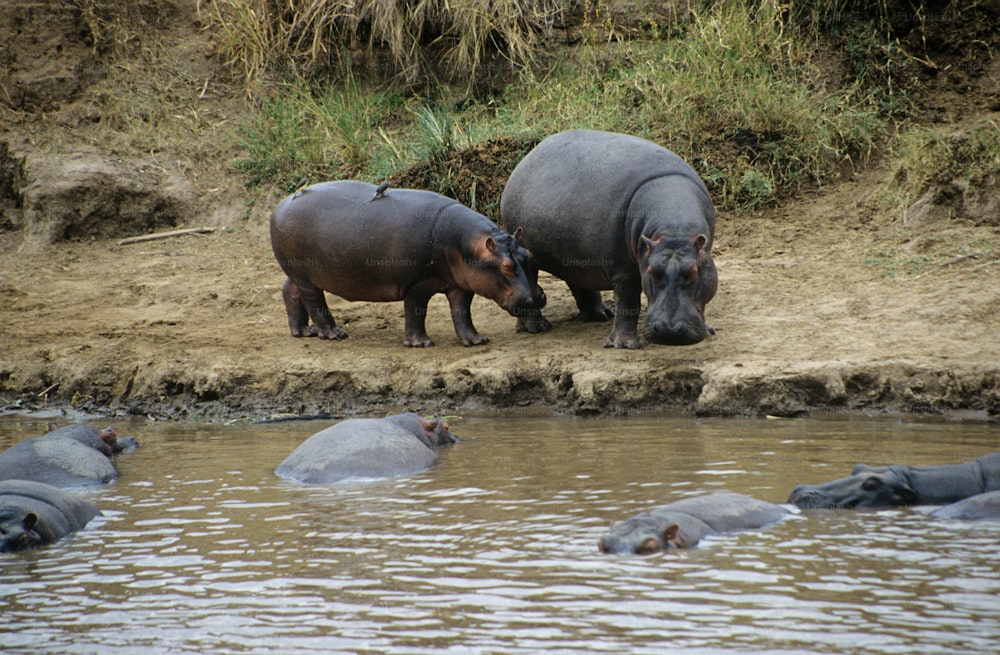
[194, 326]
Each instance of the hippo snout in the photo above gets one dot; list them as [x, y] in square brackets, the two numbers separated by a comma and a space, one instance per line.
[527, 304]
[677, 333]
[808, 497]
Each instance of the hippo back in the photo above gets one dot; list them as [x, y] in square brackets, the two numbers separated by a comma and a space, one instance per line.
[58, 512]
[357, 448]
[729, 512]
[57, 459]
[981, 507]
[550, 193]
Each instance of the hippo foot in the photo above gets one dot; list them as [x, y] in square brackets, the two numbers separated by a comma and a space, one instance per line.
[533, 324]
[475, 340]
[616, 340]
[307, 331]
[333, 334]
[418, 342]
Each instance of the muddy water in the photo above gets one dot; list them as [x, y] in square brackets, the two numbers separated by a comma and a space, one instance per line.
[201, 549]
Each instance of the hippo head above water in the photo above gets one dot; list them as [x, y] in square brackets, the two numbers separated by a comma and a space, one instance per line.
[678, 278]
[17, 531]
[866, 488]
[644, 534]
[433, 432]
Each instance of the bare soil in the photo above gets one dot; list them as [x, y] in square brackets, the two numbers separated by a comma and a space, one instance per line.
[828, 302]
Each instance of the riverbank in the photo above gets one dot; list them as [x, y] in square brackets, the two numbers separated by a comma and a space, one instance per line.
[807, 321]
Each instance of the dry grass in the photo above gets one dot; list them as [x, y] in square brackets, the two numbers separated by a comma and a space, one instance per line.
[456, 37]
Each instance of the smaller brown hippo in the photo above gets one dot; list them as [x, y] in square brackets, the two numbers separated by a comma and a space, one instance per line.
[72, 456]
[367, 448]
[682, 524]
[379, 245]
[34, 514]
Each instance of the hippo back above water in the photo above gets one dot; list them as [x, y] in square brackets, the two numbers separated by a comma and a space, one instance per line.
[33, 514]
[682, 524]
[612, 211]
[72, 456]
[900, 485]
[367, 448]
[366, 243]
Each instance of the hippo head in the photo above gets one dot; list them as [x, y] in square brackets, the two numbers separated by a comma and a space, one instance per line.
[640, 535]
[865, 488]
[17, 532]
[678, 278]
[433, 432]
[501, 269]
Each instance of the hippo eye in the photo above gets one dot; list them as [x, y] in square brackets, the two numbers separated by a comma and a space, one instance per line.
[692, 273]
[649, 546]
[507, 267]
[871, 484]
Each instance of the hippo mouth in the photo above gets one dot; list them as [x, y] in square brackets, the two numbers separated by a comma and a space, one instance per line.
[812, 499]
[683, 334]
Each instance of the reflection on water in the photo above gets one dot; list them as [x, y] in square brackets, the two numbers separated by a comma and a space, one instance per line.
[203, 549]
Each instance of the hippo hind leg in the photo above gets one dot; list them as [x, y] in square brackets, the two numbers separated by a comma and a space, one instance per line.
[304, 301]
[591, 307]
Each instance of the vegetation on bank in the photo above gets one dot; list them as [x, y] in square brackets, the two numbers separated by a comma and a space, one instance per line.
[367, 89]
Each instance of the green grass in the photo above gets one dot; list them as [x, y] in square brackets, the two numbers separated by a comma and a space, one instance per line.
[734, 91]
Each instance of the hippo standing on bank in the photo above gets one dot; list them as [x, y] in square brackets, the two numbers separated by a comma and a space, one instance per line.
[367, 448]
[34, 514]
[73, 456]
[611, 211]
[897, 486]
[684, 523]
[363, 242]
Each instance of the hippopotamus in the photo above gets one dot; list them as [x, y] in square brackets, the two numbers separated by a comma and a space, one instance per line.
[897, 485]
[612, 211]
[369, 243]
[682, 524]
[981, 507]
[34, 513]
[367, 448]
[72, 456]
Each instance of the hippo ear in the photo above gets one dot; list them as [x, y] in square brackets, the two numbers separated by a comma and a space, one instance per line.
[860, 468]
[491, 245]
[670, 535]
[700, 242]
[517, 234]
[30, 520]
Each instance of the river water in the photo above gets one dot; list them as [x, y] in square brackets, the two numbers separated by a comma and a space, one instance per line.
[202, 549]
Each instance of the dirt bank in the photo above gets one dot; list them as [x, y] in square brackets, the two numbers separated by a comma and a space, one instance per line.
[825, 304]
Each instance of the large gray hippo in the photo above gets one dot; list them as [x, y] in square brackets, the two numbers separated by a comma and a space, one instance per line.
[898, 485]
[33, 514]
[72, 456]
[367, 448]
[611, 211]
[363, 242]
[682, 524]
[981, 507]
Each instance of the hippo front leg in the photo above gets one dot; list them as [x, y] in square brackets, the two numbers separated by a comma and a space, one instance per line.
[625, 333]
[461, 315]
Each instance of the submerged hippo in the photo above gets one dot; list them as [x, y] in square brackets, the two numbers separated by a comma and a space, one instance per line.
[72, 456]
[611, 211]
[33, 514]
[684, 523]
[367, 448]
[981, 507]
[896, 486]
[366, 243]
